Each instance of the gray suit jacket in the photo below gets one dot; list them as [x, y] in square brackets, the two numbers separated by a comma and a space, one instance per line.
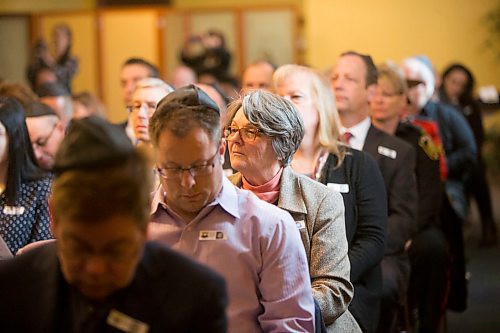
[319, 214]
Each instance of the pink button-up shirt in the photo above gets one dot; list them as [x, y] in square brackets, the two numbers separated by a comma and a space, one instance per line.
[256, 247]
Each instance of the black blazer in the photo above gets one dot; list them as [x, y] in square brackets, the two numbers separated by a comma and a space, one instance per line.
[429, 184]
[169, 292]
[362, 187]
[396, 160]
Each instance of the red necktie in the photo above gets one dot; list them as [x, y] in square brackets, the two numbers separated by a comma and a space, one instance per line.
[346, 137]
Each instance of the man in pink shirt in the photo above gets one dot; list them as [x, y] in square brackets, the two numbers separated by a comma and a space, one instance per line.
[197, 211]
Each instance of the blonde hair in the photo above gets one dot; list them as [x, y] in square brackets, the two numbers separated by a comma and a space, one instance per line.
[324, 101]
[394, 75]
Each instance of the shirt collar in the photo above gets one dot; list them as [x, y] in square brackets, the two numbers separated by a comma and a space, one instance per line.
[359, 131]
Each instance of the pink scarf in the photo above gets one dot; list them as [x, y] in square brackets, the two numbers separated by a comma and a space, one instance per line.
[269, 191]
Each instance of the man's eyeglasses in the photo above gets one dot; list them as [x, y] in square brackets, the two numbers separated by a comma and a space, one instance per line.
[201, 170]
[136, 107]
[42, 142]
[246, 133]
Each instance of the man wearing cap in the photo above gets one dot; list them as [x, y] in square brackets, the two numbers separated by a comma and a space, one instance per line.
[354, 80]
[196, 210]
[58, 98]
[101, 275]
[46, 132]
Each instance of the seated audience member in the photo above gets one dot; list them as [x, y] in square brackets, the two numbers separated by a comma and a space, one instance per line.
[428, 249]
[254, 245]
[258, 75]
[58, 98]
[354, 79]
[460, 151]
[183, 76]
[24, 189]
[148, 92]
[46, 131]
[133, 70]
[457, 88]
[351, 172]
[101, 275]
[86, 104]
[263, 133]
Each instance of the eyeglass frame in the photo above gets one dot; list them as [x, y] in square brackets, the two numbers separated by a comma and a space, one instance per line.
[44, 140]
[239, 129]
[192, 170]
[133, 107]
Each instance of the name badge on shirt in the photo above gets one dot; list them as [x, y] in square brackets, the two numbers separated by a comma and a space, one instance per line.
[206, 235]
[387, 152]
[126, 323]
[342, 188]
[300, 224]
[13, 210]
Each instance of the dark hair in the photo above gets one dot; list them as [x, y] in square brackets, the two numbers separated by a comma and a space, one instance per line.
[466, 97]
[92, 195]
[22, 93]
[21, 165]
[153, 70]
[371, 69]
[181, 119]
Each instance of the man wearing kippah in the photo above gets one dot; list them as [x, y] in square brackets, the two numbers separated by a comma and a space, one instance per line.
[196, 210]
[58, 98]
[101, 275]
[46, 132]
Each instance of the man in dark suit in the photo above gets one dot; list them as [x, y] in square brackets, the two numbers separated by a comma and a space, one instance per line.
[354, 80]
[101, 275]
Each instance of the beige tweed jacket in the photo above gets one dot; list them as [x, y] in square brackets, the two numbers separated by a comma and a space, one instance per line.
[319, 214]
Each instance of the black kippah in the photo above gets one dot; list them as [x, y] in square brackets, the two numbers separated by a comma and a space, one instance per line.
[92, 142]
[189, 95]
[37, 109]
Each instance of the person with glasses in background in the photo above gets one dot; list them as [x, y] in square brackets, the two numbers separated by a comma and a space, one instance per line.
[263, 132]
[46, 132]
[101, 274]
[24, 188]
[148, 92]
[196, 210]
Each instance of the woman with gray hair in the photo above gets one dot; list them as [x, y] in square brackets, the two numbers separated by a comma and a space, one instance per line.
[263, 132]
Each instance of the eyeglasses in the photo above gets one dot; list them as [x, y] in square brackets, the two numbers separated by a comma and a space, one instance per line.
[205, 169]
[42, 142]
[246, 133]
[414, 83]
[136, 107]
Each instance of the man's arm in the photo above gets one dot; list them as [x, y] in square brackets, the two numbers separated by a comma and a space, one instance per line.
[285, 287]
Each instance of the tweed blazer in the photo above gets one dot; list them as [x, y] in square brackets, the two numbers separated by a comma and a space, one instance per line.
[319, 214]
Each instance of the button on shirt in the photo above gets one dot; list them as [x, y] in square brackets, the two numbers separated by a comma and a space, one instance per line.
[359, 132]
[256, 247]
